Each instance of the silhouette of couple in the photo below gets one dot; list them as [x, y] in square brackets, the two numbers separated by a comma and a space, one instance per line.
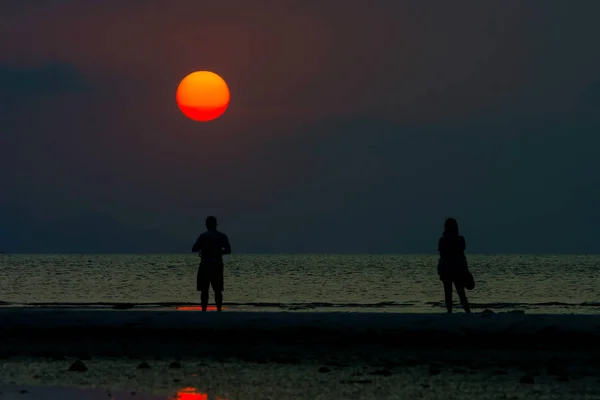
[452, 266]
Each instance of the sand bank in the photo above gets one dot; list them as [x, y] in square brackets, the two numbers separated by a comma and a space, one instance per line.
[30, 331]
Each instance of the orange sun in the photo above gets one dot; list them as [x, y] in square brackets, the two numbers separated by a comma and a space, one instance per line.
[202, 96]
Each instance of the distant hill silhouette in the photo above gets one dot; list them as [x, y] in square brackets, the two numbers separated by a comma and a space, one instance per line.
[87, 233]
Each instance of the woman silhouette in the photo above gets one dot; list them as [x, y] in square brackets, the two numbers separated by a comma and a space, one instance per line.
[452, 265]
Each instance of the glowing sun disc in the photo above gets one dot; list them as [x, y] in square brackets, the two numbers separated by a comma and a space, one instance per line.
[203, 96]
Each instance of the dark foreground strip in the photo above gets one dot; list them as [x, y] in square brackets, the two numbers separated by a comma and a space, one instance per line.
[123, 341]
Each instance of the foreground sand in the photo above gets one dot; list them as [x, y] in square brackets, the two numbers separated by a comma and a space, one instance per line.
[242, 355]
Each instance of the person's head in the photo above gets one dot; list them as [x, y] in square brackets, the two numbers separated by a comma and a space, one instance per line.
[211, 223]
[450, 227]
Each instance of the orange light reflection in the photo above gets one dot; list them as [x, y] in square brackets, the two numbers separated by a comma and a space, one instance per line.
[190, 393]
[198, 308]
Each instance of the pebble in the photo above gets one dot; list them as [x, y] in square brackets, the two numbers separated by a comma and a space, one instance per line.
[526, 379]
[143, 365]
[78, 366]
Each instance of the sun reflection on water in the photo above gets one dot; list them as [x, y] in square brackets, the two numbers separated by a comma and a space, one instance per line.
[190, 393]
[198, 308]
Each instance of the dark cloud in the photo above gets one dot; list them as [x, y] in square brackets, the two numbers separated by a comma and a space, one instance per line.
[381, 118]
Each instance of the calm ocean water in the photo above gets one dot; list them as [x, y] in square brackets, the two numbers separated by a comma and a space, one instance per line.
[380, 283]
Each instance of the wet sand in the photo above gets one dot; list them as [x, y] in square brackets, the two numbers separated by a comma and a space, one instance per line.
[487, 376]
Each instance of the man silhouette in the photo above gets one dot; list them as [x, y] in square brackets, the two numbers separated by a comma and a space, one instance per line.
[211, 245]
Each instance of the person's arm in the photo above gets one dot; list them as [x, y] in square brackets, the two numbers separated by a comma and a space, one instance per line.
[463, 243]
[226, 245]
[196, 246]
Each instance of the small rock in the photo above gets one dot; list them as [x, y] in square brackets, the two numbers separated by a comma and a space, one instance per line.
[78, 366]
[333, 363]
[143, 365]
[324, 370]
[175, 365]
[526, 367]
[425, 385]
[176, 380]
[23, 391]
[527, 379]
[285, 360]
[555, 370]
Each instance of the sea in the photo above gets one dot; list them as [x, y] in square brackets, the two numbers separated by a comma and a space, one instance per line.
[548, 284]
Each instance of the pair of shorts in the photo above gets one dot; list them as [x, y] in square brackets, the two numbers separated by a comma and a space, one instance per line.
[210, 275]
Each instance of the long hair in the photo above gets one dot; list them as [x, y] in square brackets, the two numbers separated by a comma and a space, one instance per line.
[450, 227]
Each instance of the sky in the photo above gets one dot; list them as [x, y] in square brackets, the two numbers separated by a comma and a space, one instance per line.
[353, 127]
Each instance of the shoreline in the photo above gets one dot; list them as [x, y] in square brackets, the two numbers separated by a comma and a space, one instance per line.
[381, 307]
